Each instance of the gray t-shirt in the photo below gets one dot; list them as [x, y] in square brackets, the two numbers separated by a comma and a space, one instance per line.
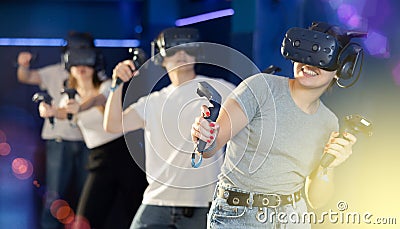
[281, 145]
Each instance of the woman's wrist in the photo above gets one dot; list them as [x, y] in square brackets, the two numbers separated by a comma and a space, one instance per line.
[114, 85]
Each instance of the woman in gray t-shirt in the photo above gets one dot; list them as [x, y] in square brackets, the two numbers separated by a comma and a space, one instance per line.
[276, 130]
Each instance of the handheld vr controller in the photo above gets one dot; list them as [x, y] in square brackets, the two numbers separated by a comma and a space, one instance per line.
[71, 95]
[206, 90]
[139, 58]
[272, 69]
[43, 96]
[353, 124]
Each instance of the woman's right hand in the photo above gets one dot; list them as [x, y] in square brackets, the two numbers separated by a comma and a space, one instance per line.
[203, 129]
[124, 70]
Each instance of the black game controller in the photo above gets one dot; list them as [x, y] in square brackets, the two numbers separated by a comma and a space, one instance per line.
[139, 58]
[353, 124]
[45, 97]
[206, 90]
[71, 95]
[272, 69]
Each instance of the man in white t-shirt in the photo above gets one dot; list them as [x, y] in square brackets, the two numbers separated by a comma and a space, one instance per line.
[66, 152]
[178, 195]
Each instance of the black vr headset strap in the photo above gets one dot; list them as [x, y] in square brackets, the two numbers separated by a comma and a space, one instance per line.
[171, 37]
[350, 60]
[321, 27]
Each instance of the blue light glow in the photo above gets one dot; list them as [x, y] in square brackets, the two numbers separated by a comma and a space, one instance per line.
[204, 17]
[62, 42]
[32, 42]
[116, 43]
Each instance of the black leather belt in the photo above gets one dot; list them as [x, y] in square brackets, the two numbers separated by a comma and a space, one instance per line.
[271, 200]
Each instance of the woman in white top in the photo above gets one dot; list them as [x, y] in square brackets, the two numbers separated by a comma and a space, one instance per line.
[112, 170]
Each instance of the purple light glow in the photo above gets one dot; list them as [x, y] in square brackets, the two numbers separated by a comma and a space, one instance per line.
[350, 12]
[377, 45]
[204, 17]
[335, 3]
[396, 74]
[345, 12]
[354, 21]
[378, 12]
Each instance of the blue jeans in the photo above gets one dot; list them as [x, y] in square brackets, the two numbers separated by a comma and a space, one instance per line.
[151, 216]
[65, 167]
[224, 216]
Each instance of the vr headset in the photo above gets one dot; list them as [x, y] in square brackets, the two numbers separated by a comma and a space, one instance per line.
[172, 40]
[311, 47]
[75, 57]
[316, 47]
[79, 40]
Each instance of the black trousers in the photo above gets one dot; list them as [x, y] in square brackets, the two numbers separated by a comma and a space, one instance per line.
[114, 178]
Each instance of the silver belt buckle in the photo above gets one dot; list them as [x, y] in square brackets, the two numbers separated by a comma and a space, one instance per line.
[294, 201]
[278, 200]
[250, 200]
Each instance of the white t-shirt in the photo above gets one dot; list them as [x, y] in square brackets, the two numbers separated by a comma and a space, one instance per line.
[53, 77]
[168, 116]
[90, 121]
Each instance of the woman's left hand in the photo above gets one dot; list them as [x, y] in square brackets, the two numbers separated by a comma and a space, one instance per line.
[340, 147]
[72, 106]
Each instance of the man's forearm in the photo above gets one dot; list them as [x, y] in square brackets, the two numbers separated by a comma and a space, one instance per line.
[113, 111]
[98, 100]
